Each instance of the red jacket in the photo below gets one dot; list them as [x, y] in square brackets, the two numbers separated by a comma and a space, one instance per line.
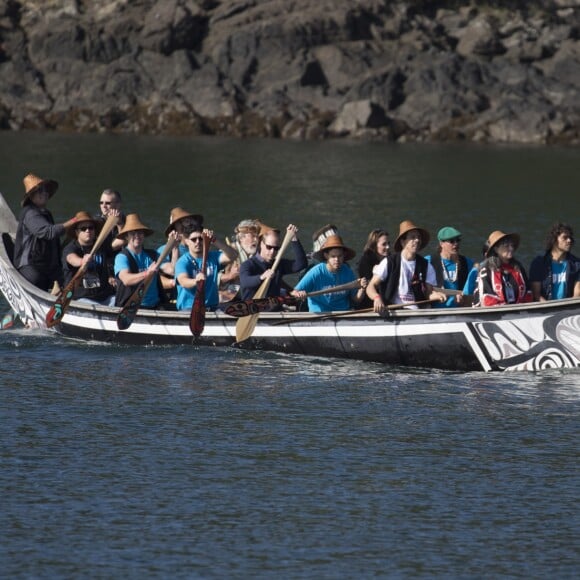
[507, 284]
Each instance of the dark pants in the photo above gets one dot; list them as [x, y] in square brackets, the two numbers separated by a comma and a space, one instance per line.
[39, 279]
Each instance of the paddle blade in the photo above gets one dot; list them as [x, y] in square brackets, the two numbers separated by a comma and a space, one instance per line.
[247, 307]
[8, 320]
[197, 318]
[128, 312]
[245, 327]
[57, 310]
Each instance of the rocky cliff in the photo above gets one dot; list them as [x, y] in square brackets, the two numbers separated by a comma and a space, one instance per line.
[420, 70]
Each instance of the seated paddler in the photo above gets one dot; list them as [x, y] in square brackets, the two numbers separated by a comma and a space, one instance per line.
[96, 285]
[189, 269]
[259, 267]
[332, 270]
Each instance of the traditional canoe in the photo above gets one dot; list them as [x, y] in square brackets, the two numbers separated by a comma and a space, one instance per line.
[521, 337]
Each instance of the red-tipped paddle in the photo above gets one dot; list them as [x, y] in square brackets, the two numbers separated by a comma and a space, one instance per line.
[197, 318]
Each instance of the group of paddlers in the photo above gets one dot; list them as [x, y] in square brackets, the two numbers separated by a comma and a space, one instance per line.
[235, 269]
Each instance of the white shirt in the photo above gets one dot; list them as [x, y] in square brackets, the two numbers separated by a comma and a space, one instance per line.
[404, 293]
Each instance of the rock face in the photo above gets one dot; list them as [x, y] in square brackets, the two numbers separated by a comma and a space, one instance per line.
[421, 70]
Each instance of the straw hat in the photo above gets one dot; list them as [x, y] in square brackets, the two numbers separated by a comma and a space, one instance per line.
[319, 236]
[405, 227]
[497, 236]
[83, 216]
[32, 183]
[132, 224]
[330, 243]
[177, 214]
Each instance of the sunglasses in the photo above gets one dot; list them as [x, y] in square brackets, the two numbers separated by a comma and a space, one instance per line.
[269, 247]
[454, 241]
[86, 229]
[196, 239]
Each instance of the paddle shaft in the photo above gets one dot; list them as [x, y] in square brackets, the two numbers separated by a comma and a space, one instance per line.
[245, 325]
[348, 286]
[56, 312]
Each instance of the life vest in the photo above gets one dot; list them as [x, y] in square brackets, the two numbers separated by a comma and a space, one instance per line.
[390, 286]
[461, 270]
[124, 292]
[571, 274]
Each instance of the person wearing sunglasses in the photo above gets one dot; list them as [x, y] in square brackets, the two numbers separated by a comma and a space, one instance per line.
[259, 267]
[188, 269]
[110, 204]
[502, 279]
[451, 268]
[556, 274]
[95, 286]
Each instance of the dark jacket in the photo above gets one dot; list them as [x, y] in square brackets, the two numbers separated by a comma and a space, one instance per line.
[38, 242]
[391, 285]
[254, 267]
[95, 282]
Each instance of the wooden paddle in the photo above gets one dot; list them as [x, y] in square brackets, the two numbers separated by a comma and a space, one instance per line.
[245, 325]
[129, 310]
[241, 308]
[197, 317]
[57, 310]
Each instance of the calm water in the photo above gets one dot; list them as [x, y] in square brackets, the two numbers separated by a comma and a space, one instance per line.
[207, 463]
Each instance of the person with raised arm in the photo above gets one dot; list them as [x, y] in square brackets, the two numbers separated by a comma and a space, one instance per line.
[37, 248]
[188, 270]
[259, 267]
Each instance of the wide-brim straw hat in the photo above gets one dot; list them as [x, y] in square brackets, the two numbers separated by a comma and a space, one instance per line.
[320, 236]
[177, 214]
[331, 243]
[32, 183]
[83, 216]
[132, 224]
[497, 236]
[405, 227]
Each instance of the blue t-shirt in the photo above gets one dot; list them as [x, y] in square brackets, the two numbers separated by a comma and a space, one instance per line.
[191, 266]
[450, 280]
[319, 278]
[559, 271]
[151, 298]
